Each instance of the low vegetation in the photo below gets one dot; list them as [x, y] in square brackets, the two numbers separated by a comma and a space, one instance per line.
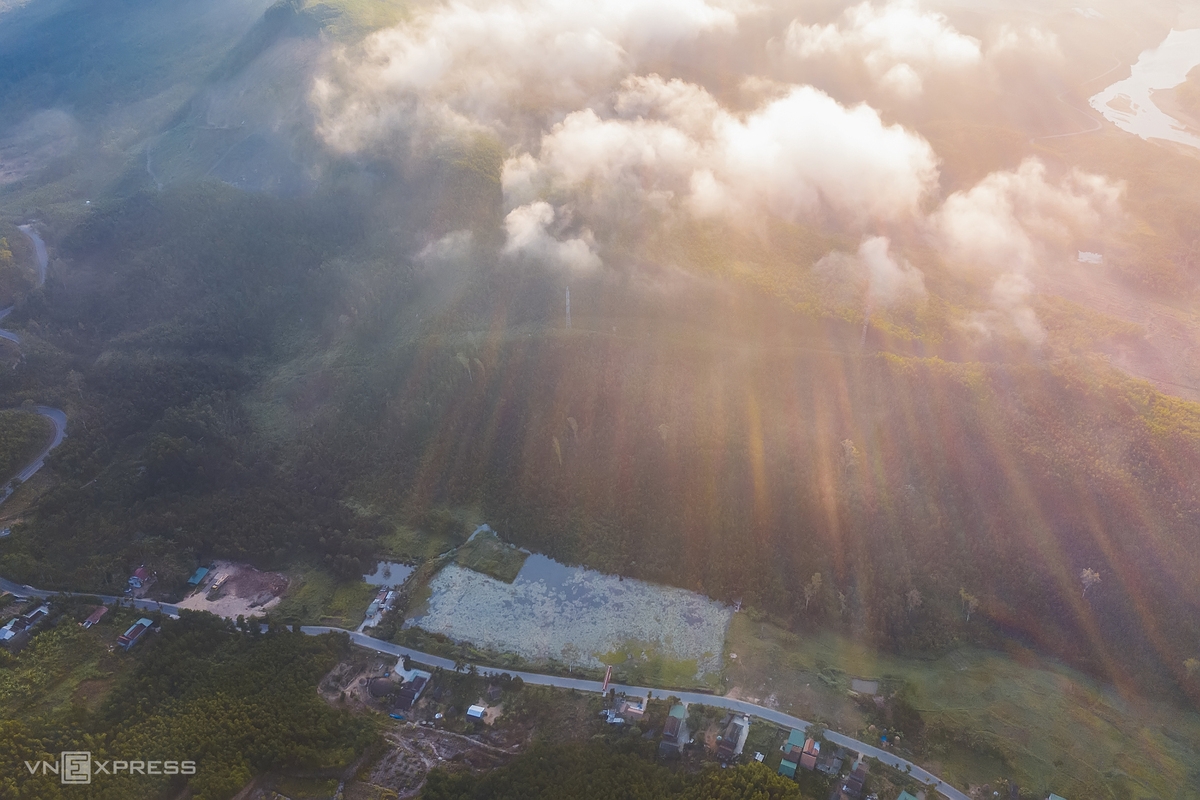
[595, 772]
[972, 714]
[487, 554]
[235, 703]
[22, 436]
[315, 597]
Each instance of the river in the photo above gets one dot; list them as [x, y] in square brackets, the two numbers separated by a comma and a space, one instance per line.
[1164, 67]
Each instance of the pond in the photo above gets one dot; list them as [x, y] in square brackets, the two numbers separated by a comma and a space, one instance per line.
[575, 615]
[1129, 104]
[388, 573]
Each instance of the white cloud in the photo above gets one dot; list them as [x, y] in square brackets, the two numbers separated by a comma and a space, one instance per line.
[494, 62]
[889, 278]
[789, 156]
[1027, 40]
[1015, 223]
[453, 248]
[528, 233]
[1010, 219]
[897, 42]
[873, 272]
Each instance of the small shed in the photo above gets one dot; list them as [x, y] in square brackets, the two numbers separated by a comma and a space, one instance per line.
[95, 616]
[198, 576]
[476, 712]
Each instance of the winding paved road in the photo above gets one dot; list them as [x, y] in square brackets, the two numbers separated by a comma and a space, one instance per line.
[24, 590]
[59, 419]
[538, 679]
[39, 247]
[741, 706]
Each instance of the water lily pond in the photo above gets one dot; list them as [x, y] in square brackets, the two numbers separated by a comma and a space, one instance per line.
[576, 616]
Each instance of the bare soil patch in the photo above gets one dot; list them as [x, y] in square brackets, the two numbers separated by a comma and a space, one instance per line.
[243, 591]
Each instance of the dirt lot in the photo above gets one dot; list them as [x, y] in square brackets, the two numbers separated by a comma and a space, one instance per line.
[424, 741]
[413, 750]
[246, 591]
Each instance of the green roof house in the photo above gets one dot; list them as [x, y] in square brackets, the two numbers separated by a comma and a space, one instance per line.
[791, 754]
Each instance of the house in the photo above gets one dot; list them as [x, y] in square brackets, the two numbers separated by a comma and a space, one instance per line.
[410, 692]
[198, 576]
[476, 712]
[675, 731]
[95, 616]
[1053, 796]
[787, 765]
[633, 708]
[792, 753]
[140, 578]
[852, 787]
[732, 736]
[829, 762]
[19, 625]
[906, 796]
[131, 637]
[810, 754]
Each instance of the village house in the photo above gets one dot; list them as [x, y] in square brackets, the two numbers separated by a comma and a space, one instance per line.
[675, 732]
[632, 708]
[412, 683]
[139, 581]
[410, 692]
[136, 631]
[95, 616]
[734, 730]
[851, 788]
[829, 760]
[16, 632]
[792, 750]
[810, 754]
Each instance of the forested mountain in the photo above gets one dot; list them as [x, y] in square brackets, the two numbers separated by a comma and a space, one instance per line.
[758, 301]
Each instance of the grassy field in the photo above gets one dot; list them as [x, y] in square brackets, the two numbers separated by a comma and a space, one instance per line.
[315, 597]
[1035, 721]
[487, 554]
